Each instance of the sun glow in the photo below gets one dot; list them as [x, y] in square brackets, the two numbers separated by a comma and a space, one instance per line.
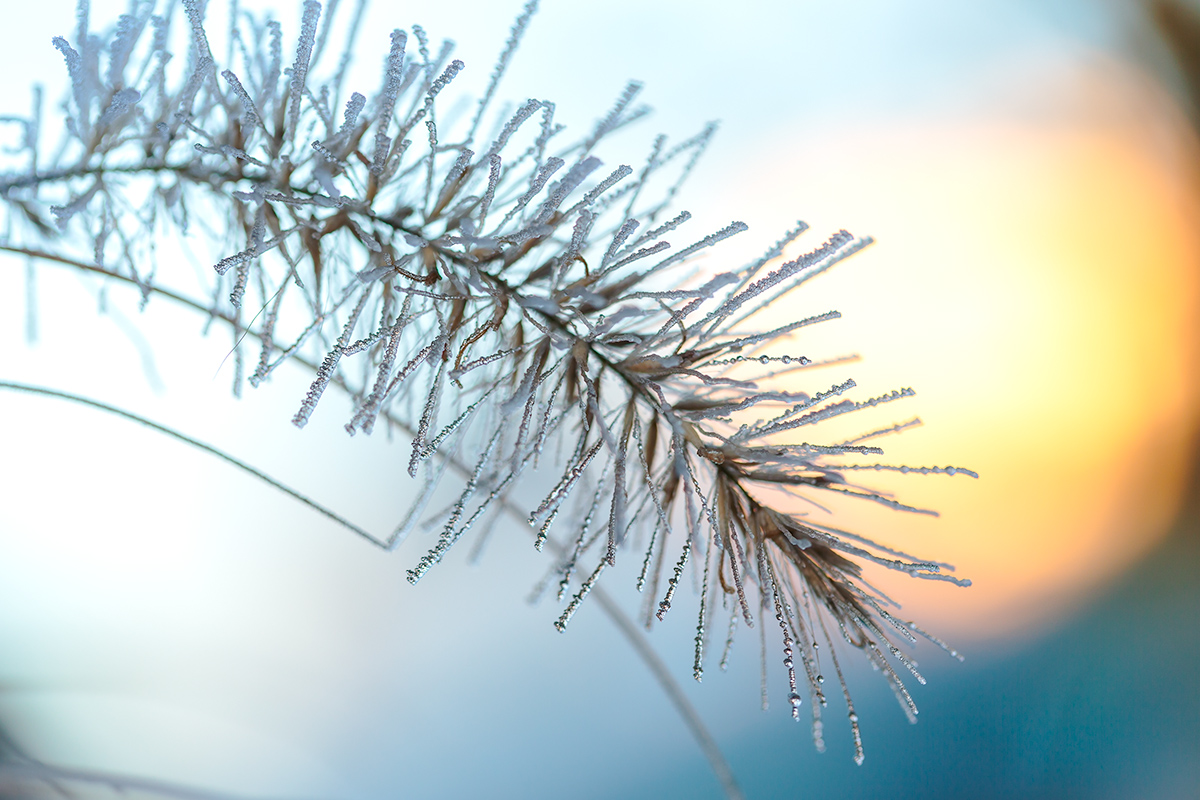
[1036, 281]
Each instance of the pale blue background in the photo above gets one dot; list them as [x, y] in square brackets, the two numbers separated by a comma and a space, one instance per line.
[240, 644]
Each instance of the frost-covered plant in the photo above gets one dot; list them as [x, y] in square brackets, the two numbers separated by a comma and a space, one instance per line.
[484, 284]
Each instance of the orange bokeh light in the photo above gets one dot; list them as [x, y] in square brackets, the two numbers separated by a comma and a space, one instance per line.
[1036, 281]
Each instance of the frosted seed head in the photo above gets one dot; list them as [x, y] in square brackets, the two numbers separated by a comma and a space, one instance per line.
[493, 303]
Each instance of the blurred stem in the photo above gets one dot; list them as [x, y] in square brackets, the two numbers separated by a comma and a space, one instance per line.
[16, 777]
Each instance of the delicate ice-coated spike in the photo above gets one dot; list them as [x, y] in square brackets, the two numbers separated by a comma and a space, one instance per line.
[432, 447]
[420, 358]
[453, 177]
[735, 555]
[449, 536]
[354, 107]
[782, 330]
[529, 388]
[854, 247]
[775, 425]
[769, 299]
[799, 361]
[748, 272]
[321, 175]
[612, 119]
[496, 492]
[427, 64]
[731, 229]
[907, 704]
[328, 366]
[905, 470]
[548, 130]
[323, 35]
[195, 14]
[480, 362]
[540, 540]
[63, 214]
[706, 508]
[775, 588]
[837, 409]
[253, 117]
[522, 114]
[448, 74]
[899, 426]
[514, 39]
[429, 415]
[582, 541]
[623, 233]
[666, 227]
[83, 9]
[567, 483]
[275, 68]
[367, 239]
[575, 175]
[665, 605]
[544, 425]
[431, 128]
[641, 580]
[885, 501]
[953, 653]
[539, 180]
[579, 234]
[616, 517]
[732, 407]
[561, 623]
[268, 330]
[678, 315]
[838, 532]
[239, 286]
[859, 754]
[773, 278]
[657, 247]
[129, 28]
[79, 81]
[701, 630]
[917, 569]
[907, 662]
[616, 176]
[663, 521]
[203, 58]
[490, 193]
[254, 250]
[809, 657]
[387, 102]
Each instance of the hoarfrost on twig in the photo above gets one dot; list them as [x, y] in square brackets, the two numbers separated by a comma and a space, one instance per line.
[501, 303]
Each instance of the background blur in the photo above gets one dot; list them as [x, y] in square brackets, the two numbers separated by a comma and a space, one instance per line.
[1030, 172]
